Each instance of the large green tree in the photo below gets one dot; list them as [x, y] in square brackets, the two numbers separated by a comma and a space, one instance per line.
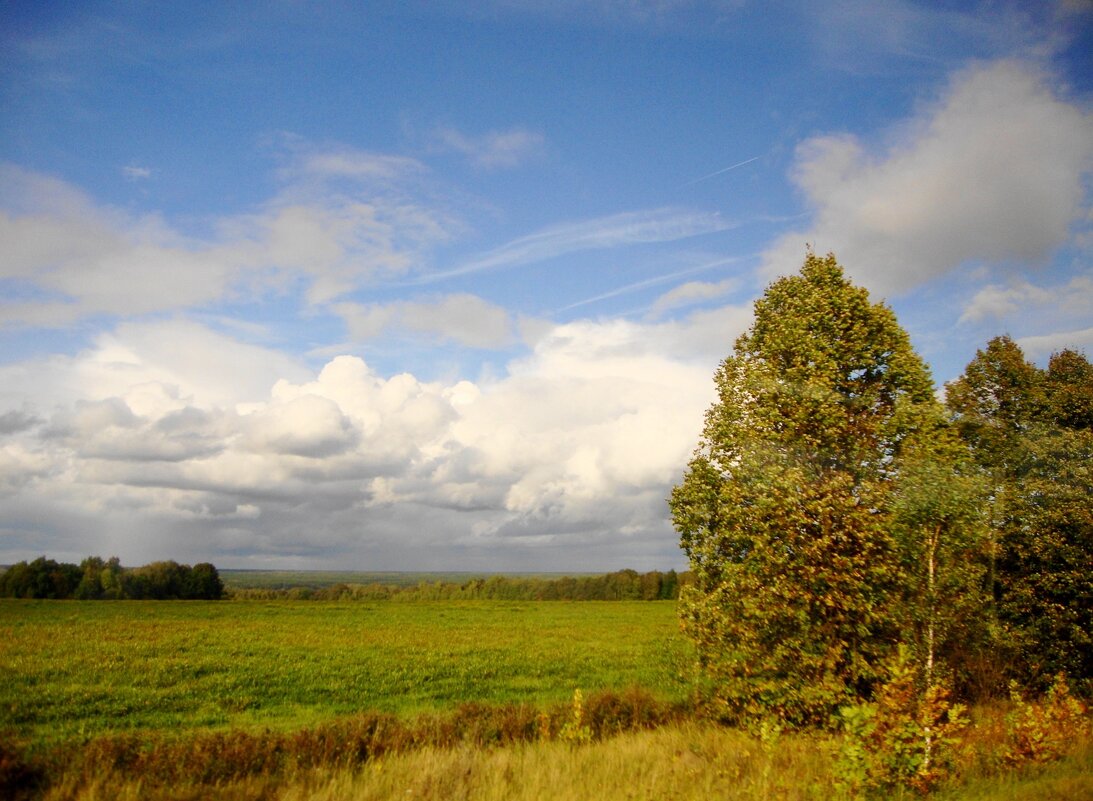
[1030, 432]
[785, 511]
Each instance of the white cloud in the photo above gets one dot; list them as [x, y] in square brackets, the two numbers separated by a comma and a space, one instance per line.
[693, 292]
[991, 173]
[998, 301]
[340, 221]
[155, 367]
[152, 451]
[466, 319]
[494, 149]
[1038, 347]
[321, 164]
[308, 425]
[863, 37]
[20, 466]
[1020, 297]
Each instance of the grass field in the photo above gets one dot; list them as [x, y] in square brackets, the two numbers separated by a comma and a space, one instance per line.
[75, 669]
[321, 700]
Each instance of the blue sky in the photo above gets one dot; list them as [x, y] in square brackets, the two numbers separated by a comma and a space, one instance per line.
[442, 285]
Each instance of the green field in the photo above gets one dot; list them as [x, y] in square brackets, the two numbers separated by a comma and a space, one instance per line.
[75, 669]
[286, 700]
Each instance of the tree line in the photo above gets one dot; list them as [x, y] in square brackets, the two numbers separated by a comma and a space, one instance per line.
[839, 518]
[621, 585]
[99, 579]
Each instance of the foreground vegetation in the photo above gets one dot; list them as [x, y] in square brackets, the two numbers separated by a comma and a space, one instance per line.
[629, 748]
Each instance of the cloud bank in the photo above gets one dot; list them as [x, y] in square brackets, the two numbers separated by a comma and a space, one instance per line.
[565, 460]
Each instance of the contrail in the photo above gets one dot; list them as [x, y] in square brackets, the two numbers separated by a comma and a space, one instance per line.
[726, 169]
[657, 279]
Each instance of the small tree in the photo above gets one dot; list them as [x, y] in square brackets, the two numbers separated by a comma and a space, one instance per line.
[785, 509]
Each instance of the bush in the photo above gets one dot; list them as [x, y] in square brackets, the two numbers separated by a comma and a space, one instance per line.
[906, 738]
[1040, 732]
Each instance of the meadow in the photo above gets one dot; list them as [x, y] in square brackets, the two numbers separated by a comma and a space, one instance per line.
[75, 669]
[250, 700]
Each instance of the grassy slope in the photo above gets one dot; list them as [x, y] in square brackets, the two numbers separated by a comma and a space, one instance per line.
[74, 669]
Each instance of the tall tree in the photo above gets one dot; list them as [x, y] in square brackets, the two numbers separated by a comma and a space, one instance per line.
[1030, 432]
[785, 509]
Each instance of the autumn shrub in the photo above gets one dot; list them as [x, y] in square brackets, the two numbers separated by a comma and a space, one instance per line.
[479, 725]
[608, 713]
[907, 737]
[1041, 731]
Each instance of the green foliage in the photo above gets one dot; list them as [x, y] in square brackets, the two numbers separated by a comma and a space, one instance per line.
[939, 524]
[95, 579]
[785, 509]
[42, 578]
[1029, 431]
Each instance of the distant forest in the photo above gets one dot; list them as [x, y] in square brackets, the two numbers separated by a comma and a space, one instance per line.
[622, 585]
[99, 579]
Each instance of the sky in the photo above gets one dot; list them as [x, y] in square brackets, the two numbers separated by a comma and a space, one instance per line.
[442, 284]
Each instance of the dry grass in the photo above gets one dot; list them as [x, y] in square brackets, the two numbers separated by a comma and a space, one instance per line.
[686, 762]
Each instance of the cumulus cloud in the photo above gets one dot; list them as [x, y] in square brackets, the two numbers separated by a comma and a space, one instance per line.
[1073, 298]
[1058, 313]
[579, 440]
[14, 421]
[20, 467]
[308, 425]
[993, 172]
[155, 367]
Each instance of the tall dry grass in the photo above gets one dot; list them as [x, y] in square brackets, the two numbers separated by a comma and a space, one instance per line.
[606, 746]
[686, 761]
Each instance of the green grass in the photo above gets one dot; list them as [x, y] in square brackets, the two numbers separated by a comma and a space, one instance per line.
[73, 669]
[218, 687]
